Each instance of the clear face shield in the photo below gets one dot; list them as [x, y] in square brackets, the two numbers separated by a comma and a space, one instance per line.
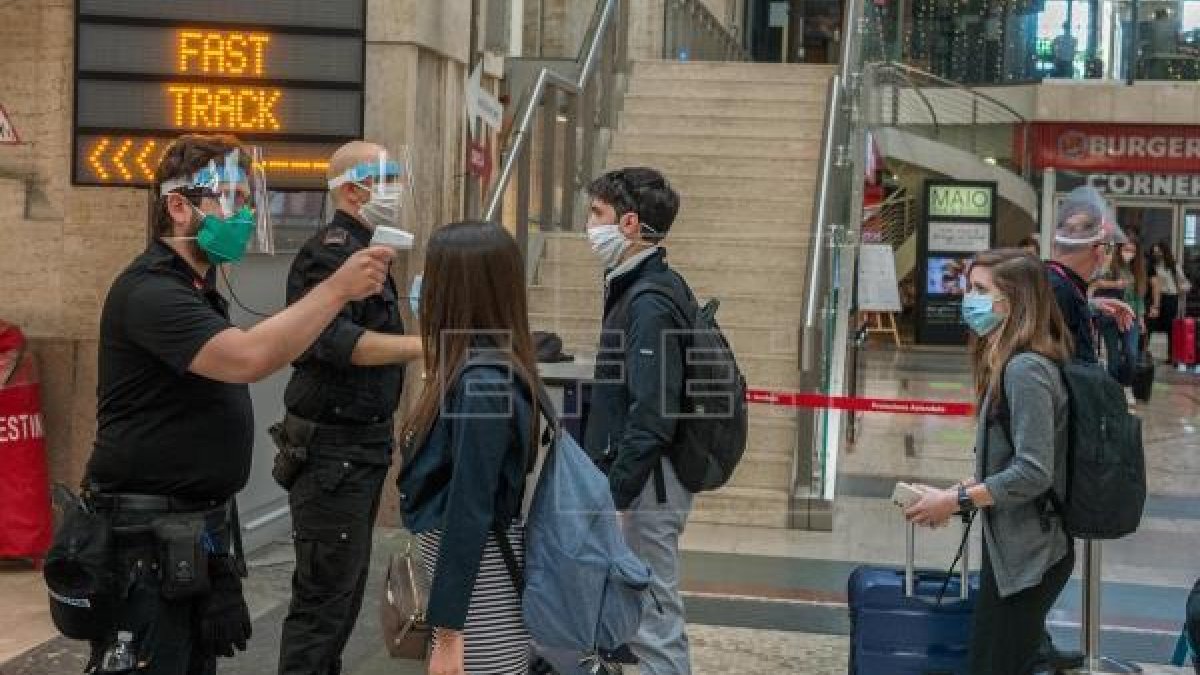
[388, 177]
[237, 183]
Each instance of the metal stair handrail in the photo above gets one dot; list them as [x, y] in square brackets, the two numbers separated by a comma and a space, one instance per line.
[588, 58]
[919, 81]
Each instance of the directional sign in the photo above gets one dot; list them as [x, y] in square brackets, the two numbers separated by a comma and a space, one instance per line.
[105, 159]
[8, 133]
[124, 159]
[482, 104]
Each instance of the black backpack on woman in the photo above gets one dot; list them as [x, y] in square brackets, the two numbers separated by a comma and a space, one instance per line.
[1106, 463]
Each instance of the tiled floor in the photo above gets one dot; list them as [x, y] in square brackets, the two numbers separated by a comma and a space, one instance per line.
[24, 620]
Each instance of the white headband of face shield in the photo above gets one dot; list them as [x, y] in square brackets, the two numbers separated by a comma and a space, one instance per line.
[221, 180]
[1071, 241]
[360, 172]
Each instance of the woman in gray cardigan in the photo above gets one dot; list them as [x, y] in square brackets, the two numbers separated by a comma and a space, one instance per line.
[1021, 442]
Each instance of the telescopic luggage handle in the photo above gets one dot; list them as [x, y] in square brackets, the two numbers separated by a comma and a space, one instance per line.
[910, 567]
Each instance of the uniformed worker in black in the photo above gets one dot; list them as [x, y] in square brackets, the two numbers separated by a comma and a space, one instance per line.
[340, 402]
[175, 425]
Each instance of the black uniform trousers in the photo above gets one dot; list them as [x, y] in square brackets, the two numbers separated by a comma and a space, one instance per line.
[334, 503]
[1006, 632]
[166, 633]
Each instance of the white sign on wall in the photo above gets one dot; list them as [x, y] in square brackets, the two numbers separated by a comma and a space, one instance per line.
[878, 290]
[481, 103]
[959, 237]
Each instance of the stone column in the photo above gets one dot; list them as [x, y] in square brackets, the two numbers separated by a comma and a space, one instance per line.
[417, 64]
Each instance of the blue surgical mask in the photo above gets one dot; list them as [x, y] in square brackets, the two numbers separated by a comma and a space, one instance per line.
[608, 244]
[979, 313]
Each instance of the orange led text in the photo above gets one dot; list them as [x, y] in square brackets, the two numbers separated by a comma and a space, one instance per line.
[222, 53]
[205, 107]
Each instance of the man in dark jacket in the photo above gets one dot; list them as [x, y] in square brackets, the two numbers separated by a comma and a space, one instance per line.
[1083, 241]
[637, 394]
[340, 402]
[1083, 244]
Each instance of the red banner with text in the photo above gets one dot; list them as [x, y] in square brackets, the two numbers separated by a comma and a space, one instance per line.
[1129, 148]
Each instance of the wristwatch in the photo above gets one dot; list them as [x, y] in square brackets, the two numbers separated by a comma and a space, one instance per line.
[965, 504]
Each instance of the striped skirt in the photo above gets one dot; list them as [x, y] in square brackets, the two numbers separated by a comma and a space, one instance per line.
[495, 641]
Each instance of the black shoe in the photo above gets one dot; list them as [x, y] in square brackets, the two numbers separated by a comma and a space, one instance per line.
[1056, 659]
[1066, 660]
[621, 655]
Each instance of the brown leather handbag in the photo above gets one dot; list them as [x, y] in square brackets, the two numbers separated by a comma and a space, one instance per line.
[405, 598]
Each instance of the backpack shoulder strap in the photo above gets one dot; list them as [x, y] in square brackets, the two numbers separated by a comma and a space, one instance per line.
[549, 439]
[678, 303]
[515, 573]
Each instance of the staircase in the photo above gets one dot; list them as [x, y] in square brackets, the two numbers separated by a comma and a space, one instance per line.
[740, 143]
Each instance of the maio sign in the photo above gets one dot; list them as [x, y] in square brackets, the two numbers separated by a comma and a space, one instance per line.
[952, 201]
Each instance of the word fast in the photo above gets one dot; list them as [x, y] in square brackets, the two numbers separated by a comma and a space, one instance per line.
[247, 108]
[218, 53]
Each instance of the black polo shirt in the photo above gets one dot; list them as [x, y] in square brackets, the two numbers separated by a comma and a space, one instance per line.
[161, 429]
[1070, 291]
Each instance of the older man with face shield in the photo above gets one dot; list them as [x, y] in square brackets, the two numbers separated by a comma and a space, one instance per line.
[1083, 244]
[175, 425]
[336, 439]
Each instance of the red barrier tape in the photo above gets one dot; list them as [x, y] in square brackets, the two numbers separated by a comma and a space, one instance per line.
[791, 399]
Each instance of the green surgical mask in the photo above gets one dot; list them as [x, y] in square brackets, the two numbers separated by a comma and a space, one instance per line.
[224, 239]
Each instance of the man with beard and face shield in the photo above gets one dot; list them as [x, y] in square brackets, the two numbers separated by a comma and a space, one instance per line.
[337, 436]
[175, 426]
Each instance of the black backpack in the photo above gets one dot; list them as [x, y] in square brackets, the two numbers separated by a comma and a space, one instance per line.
[711, 436]
[1106, 464]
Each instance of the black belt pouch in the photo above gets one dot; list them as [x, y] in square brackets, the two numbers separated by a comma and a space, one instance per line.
[183, 562]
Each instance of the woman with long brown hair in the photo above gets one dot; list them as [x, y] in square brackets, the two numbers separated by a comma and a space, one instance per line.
[1169, 287]
[1126, 280]
[1019, 341]
[468, 445]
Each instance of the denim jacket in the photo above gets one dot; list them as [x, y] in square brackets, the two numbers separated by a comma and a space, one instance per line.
[467, 475]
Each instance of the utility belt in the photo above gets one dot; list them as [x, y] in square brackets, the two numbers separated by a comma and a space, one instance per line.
[300, 441]
[316, 434]
[186, 537]
[186, 533]
[109, 502]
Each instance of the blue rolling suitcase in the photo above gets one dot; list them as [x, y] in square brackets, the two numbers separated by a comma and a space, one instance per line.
[897, 626]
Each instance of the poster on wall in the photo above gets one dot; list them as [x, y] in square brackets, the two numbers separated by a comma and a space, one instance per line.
[960, 221]
[877, 287]
[955, 236]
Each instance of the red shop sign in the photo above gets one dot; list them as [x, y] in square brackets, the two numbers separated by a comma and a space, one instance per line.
[1131, 148]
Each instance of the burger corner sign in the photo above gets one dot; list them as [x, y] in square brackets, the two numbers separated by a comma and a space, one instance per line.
[1131, 160]
[1146, 185]
[1130, 148]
